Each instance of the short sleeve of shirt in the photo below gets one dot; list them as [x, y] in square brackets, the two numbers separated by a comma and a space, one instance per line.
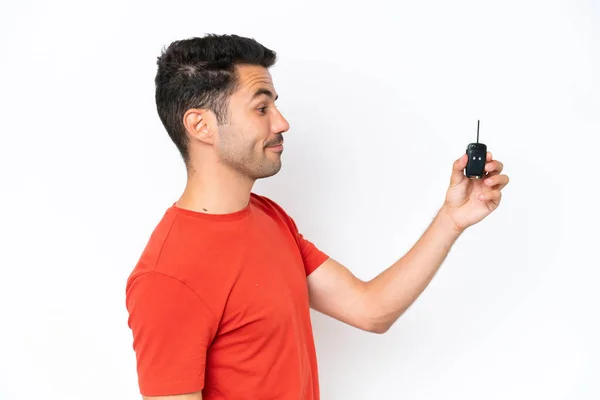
[312, 256]
[172, 328]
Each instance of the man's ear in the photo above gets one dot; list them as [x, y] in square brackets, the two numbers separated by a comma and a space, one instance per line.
[199, 125]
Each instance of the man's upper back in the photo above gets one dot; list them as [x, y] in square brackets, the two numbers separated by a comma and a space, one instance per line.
[220, 303]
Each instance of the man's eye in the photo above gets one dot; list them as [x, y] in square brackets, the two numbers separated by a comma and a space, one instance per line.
[262, 109]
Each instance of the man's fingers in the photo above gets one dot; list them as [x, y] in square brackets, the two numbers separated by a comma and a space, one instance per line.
[497, 181]
[494, 196]
[494, 167]
[489, 157]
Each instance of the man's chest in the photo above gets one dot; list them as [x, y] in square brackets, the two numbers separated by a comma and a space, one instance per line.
[269, 288]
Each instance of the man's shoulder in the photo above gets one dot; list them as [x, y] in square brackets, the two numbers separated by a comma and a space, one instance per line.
[269, 205]
[184, 253]
[277, 212]
[175, 247]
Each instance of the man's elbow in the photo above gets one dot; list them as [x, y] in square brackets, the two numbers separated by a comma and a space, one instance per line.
[371, 315]
[379, 329]
[377, 322]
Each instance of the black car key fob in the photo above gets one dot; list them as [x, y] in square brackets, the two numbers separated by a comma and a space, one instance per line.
[477, 154]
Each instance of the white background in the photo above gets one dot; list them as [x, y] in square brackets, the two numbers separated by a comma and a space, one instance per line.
[382, 97]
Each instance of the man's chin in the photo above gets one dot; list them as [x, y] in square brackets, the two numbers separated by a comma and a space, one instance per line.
[271, 171]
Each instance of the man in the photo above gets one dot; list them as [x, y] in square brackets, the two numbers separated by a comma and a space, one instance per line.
[219, 302]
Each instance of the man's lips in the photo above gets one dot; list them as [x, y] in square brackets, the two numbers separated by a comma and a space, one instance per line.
[276, 146]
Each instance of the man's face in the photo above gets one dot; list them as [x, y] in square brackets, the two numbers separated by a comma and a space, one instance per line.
[247, 143]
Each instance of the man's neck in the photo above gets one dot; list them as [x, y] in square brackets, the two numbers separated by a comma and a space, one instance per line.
[221, 192]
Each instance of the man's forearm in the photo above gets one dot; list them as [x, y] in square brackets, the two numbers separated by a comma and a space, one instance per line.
[396, 288]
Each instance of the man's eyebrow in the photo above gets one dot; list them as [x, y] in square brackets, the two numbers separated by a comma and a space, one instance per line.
[264, 91]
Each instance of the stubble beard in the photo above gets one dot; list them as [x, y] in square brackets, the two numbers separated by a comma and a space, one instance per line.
[246, 160]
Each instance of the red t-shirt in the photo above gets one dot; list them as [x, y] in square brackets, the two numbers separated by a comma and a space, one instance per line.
[220, 303]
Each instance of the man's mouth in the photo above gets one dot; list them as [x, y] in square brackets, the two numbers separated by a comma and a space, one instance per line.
[278, 146]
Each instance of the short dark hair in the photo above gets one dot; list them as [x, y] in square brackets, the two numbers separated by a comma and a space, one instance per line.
[200, 72]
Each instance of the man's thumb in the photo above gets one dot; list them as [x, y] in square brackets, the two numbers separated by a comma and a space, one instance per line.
[458, 170]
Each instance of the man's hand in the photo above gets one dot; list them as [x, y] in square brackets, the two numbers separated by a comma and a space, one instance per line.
[468, 201]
